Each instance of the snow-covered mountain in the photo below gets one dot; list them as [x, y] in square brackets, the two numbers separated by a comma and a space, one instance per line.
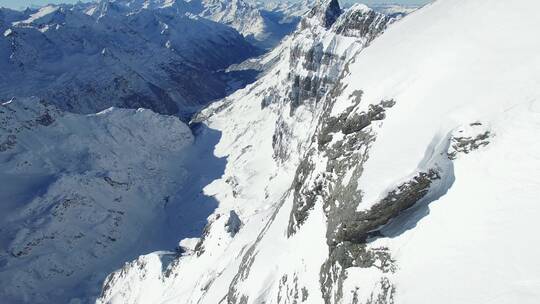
[88, 57]
[404, 172]
[80, 192]
[83, 192]
[262, 25]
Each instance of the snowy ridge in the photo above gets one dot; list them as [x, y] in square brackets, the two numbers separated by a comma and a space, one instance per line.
[406, 181]
[273, 121]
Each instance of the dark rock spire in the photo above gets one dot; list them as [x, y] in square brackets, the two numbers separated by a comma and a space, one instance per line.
[327, 11]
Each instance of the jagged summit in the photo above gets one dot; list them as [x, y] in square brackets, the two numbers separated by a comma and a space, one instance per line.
[326, 12]
[361, 21]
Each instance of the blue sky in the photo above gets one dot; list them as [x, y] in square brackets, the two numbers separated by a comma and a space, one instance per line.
[17, 4]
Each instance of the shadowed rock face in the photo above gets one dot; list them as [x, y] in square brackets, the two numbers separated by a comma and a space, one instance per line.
[362, 23]
[327, 12]
[344, 141]
[233, 223]
[331, 13]
[323, 64]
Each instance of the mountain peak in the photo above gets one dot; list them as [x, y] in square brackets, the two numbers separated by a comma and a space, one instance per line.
[361, 21]
[326, 11]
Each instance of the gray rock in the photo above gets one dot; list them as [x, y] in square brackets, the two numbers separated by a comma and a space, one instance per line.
[467, 144]
[327, 12]
[233, 223]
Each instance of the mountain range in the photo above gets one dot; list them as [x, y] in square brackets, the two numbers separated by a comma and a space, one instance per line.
[248, 152]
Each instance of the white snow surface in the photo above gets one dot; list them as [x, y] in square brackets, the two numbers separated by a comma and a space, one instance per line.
[448, 65]
[43, 12]
[425, 102]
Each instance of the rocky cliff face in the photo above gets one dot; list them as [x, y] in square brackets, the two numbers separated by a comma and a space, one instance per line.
[325, 13]
[315, 67]
[276, 119]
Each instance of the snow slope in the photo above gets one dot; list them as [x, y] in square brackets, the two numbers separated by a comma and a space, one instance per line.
[473, 245]
[410, 178]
